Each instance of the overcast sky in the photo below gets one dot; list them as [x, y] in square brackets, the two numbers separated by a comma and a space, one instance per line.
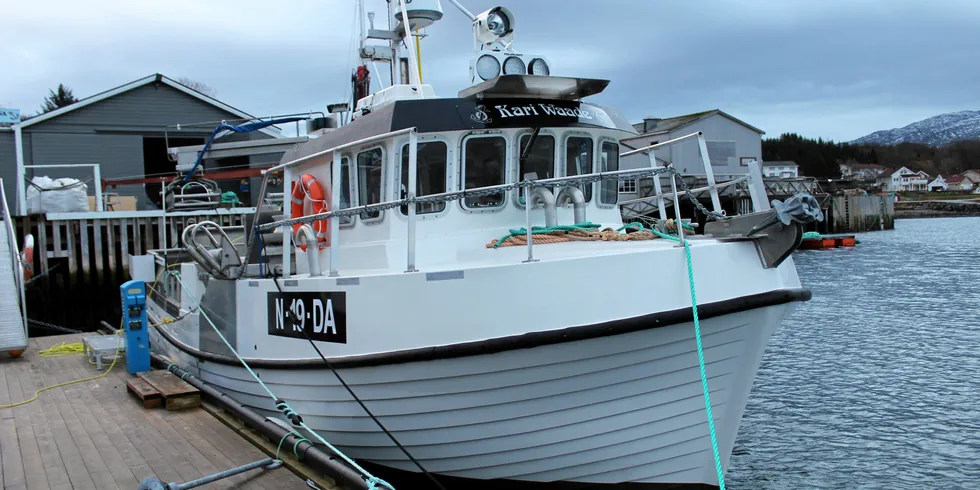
[833, 68]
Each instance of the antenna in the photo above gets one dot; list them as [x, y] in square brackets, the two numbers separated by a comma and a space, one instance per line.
[463, 9]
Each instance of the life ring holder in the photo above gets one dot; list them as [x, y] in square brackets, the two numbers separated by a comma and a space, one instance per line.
[309, 188]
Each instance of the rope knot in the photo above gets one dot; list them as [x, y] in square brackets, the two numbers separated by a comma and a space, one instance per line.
[288, 411]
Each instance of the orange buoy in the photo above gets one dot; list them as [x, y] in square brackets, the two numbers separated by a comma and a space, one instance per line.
[16, 352]
[309, 188]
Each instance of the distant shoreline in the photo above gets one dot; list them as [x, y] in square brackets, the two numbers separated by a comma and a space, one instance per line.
[936, 209]
[928, 213]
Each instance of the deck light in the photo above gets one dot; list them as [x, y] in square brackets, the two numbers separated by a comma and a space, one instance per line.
[494, 26]
[539, 67]
[514, 66]
[487, 67]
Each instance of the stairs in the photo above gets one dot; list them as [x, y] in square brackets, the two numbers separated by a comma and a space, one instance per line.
[13, 330]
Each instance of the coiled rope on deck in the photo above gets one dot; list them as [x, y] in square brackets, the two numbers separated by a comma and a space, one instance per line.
[372, 481]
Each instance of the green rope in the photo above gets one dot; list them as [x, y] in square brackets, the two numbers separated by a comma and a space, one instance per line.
[812, 235]
[704, 375]
[299, 439]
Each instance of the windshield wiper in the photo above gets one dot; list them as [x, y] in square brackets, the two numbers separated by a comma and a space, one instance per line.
[527, 149]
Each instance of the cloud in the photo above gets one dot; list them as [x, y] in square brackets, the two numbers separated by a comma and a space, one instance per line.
[837, 68]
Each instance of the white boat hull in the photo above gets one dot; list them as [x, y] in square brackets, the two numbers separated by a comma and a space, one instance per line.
[613, 409]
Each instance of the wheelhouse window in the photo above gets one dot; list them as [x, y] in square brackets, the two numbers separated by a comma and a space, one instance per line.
[540, 159]
[370, 181]
[578, 160]
[609, 162]
[485, 165]
[345, 189]
[431, 164]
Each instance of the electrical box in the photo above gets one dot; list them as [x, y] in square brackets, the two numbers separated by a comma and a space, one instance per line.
[135, 327]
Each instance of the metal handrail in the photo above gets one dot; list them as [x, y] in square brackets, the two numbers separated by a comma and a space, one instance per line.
[344, 146]
[722, 185]
[15, 255]
[658, 145]
[474, 192]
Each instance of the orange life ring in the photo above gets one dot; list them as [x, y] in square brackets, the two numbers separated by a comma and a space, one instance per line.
[27, 256]
[309, 188]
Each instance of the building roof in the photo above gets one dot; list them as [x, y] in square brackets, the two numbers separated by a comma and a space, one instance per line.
[954, 179]
[155, 78]
[780, 163]
[862, 166]
[666, 125]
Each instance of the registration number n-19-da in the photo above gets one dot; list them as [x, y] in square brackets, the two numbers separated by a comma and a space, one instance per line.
[321, 315]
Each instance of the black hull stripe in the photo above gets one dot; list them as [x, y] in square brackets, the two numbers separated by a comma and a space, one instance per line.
[523, 341]
[408, 479]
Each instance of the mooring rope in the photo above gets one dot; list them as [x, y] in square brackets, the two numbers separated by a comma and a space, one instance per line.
[372, 481]
[697, 336]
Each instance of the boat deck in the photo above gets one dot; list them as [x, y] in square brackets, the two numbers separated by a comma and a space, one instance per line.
[95, 435]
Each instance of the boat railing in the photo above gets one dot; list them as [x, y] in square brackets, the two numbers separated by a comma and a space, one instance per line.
[529, 182]
[16, 263]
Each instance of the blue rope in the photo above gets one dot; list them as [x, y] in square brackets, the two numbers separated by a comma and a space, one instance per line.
[704, 374]
[242, 128]
[371, 480]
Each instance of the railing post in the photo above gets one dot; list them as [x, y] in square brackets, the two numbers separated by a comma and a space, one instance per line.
[413, 140]
[708, 174]
[657, 188]
[677, 209]
[98, 188]
[335, 205]
[527, 214]
[757, 187]
[287, 231]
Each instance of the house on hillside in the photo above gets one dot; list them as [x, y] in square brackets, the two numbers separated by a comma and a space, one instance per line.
[861, 171]
[973, 175]
[959, 183]
[937, 185]
[904, 180]
[731, 144]
[781, 169]
[125, 131]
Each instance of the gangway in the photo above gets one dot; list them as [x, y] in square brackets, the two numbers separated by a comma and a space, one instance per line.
[13, 324]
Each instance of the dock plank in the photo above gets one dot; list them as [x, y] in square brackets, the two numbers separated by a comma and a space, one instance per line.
[13, 467]
[95, 434]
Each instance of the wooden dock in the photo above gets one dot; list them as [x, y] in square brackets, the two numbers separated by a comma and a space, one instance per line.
[96, 435]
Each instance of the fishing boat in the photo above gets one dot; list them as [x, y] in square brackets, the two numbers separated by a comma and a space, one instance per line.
[461, 264]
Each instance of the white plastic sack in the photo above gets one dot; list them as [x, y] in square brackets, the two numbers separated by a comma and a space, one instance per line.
[63, 195]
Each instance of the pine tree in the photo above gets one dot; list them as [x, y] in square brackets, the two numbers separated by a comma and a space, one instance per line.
[58, 99]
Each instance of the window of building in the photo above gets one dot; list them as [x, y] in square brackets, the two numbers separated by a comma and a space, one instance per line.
[609, 162]
[431, 163]
[370, 180]
[720, 153]
[540, 159]
[628, 186]
[485, 163]
[578, 160]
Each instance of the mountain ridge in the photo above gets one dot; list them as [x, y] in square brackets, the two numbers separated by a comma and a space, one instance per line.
[939, 130]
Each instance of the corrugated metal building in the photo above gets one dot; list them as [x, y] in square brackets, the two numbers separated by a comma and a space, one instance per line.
[731, 144]
[122, 130]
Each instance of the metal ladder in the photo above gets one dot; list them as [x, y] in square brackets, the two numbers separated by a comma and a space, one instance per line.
[13, 324]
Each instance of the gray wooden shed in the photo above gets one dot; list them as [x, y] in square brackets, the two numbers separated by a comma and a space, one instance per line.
[122, 130]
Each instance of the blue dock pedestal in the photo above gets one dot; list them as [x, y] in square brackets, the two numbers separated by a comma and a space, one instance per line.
[134, 326]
